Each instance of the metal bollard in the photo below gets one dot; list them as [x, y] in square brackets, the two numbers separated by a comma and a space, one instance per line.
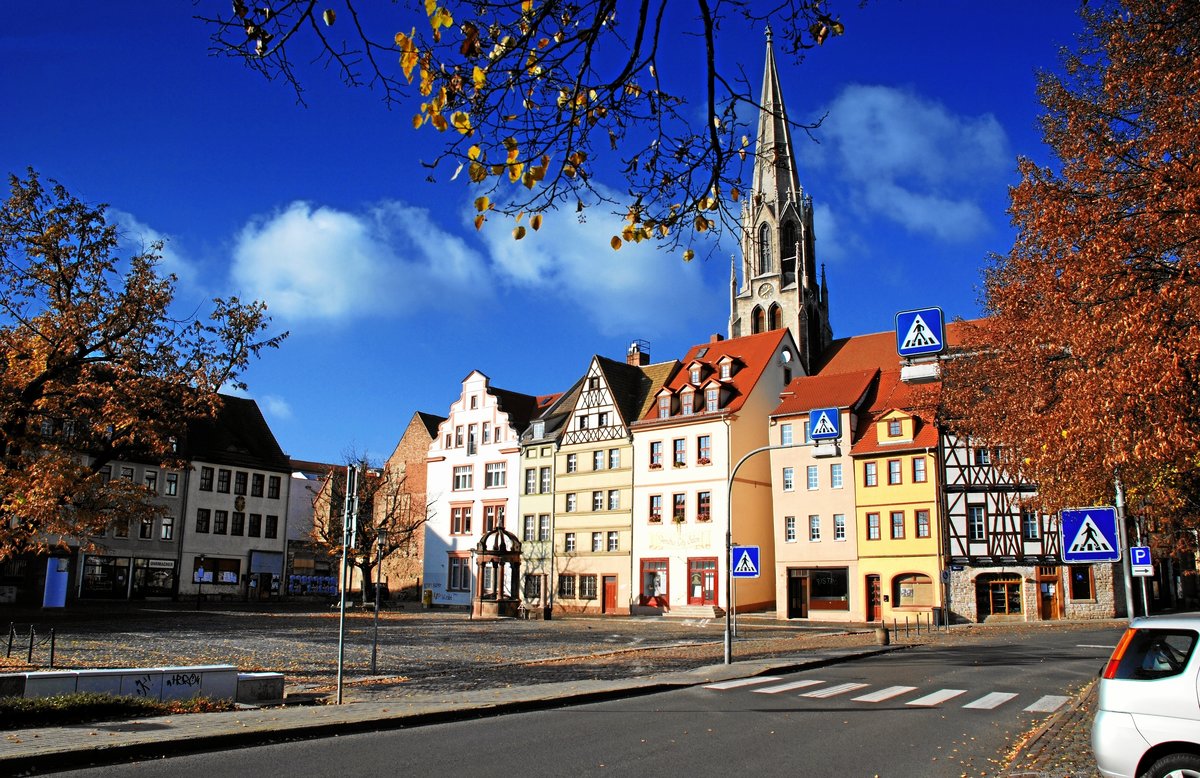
[32, 632]
[882, 637]
[52, 645]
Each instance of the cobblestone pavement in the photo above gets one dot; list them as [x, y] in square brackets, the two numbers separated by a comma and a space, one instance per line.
[1062, 747]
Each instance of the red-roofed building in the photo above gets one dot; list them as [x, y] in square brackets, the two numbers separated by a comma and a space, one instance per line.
[701, 422]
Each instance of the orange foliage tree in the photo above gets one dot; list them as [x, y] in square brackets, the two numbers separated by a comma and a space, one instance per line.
[1088, 362]
[533, 94]
[94, 367]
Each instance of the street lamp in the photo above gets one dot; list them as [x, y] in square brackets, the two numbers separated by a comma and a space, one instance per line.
[199, 580]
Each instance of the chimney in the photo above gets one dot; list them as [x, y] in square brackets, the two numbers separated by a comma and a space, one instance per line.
[638, 354]
[716, 338]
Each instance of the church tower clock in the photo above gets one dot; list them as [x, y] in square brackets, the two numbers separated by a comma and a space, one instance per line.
[779, 284]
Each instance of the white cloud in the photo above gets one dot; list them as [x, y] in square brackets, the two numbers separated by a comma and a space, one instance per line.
[137, 236]
[639, 288]
[276, 406]
[319, 263]
[912, 160]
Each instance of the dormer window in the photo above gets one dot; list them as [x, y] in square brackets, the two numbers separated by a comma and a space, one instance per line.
[664, 407]
[712, 399]
[726, 371]
[696, 374]
[895, 429]
[539, 430]
[687, 399]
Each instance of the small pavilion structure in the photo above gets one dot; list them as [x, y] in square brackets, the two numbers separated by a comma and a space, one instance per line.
[497, 574]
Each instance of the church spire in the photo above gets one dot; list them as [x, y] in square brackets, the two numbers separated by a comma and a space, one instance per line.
[775, 176]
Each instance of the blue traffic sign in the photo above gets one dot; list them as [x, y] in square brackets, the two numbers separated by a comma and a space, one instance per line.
[824, 424]
[1090, 535]
[919, 332]
[745, 562]
[1140, 555]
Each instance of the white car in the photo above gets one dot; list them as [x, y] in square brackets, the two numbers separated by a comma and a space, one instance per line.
[1148, 721]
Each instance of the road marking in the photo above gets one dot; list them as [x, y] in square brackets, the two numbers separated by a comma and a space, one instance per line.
[937, 698]
[990, 701]
[1089, 645]
[742, 682]
[885, 694]
[786, 687]
[1048, 704]
[833, 691]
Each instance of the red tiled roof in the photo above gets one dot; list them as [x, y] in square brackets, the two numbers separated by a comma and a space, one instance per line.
[877, 350]
[893, 394]
[843, 390]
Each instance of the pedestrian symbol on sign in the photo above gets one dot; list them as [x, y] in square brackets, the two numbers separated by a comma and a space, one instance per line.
[919, 335]
[1089, 539]
[745, 565]
[745, 562]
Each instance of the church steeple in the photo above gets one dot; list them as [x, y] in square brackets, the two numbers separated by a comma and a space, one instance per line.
[780, 286]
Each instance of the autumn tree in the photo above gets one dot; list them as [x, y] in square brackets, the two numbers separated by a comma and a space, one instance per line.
[1088, 362]
[96, 366]
[391, 516]
[535, 96]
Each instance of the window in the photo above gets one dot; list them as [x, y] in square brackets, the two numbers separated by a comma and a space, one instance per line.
[814, 529]
[462, 478]
[220, 522]
[664, 406]
[593, 382]
[712, 399]
[679, 445]
[678, 508]
[829, 589]
[726, 370]
[459, 574]
[572, 463]
[256, 485]
[1083, 586]
[687, 401]
[474, 402]
[922, 524]
[975, 522]
[1029, 525]
[146, 529]
[839, 526]
[531, 480]
[581, 422]
[808, 438]
[789, 529]
[656, 452]
[813, 480]
[151, 480]
[614, 499]
[597, 460]
[223, 476]
[587, 587]
[983, 457]
[533, 587]
[206, 479]
[893, 471]
[121, 528]
[597, 500]
[255, 528]
[105, 474]
[897, 525]
[571, 502]
[1154, 653]
[894, 429]
[614, 458]
[655, 508]
[237, 523]
[835, 475]
[493, 517]
[460, 520]
[597, 542]
[789, 479]
[704, 506]
[273, 487]
[127, 474]
[495, 475]
[704, 449]
[919, 470]
[529, 527]
[172, 485]
[458, 436]
[239, 482]
[912, 590]
[872, 526]
[166, 528]
[566, 586]
[569, 542]
[695, 374]
[544, 480]
[785, 434]
[602, 419]
[544, 527]
[614, 540]
[271, 530]
[869, 476]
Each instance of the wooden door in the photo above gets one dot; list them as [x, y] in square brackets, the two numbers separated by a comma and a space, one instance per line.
[1049, 583]
[874, 611]
[610, 594]
[797, 595]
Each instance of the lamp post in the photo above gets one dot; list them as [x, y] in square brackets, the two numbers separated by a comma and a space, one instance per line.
[199, 580]
[380, 541]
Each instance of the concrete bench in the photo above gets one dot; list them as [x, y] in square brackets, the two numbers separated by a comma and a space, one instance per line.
[218, 682]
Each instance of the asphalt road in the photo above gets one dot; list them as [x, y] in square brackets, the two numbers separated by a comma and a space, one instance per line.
[930, 711]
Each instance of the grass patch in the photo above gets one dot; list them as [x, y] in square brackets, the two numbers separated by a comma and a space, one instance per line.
[85, 707]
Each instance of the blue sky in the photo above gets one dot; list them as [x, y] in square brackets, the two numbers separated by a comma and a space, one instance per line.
[390, 294]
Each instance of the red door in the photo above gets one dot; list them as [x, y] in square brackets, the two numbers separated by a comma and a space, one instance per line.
[610, 594]
[873, 610]
[702, 582]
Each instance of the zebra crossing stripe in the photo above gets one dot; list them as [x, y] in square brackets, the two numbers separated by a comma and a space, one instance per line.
[937, 698]
[885, 694]
[1048, 704]
[742, 682]
[990, 701]
[833, 691]
[786, 687]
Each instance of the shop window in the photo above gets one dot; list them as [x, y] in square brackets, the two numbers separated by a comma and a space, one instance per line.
[912, 590]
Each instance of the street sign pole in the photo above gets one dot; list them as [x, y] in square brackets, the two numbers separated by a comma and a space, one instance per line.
[349, 519]
[1125, 563]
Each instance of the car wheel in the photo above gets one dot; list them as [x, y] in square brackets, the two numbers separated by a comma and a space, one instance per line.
[1174, 766]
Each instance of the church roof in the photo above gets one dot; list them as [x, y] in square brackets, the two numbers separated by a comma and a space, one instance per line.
[775, 174]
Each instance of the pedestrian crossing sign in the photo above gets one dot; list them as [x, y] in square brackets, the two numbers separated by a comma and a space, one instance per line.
[920, 332]
[824, 424]
[1090, 535]
[745, 561]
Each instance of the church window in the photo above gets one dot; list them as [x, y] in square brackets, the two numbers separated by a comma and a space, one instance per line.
[788, 247]
[757, 321]
[774, 318]
[764, 249]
